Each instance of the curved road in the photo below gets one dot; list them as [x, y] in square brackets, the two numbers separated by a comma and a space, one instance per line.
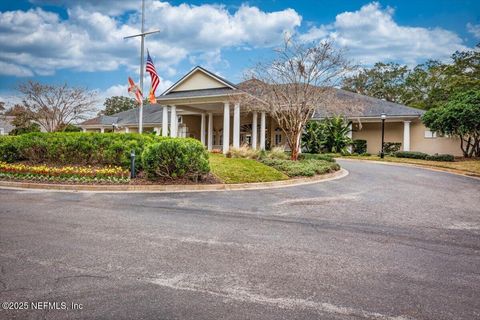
[385, 242]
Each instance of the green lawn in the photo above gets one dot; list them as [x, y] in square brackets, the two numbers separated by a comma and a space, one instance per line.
[238, 170]
[467, 166]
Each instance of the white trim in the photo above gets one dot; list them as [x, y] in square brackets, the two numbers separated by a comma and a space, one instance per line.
[197, 68]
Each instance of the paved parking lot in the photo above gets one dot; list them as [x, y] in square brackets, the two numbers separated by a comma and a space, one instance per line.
[385, 242]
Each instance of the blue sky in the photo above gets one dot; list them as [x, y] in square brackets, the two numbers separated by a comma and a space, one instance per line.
[81, 42]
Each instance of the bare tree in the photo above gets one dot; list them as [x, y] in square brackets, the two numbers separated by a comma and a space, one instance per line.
[297, 82]
[54, 107]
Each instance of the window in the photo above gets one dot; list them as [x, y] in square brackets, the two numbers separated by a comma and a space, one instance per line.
[278, 136]
[430, 135]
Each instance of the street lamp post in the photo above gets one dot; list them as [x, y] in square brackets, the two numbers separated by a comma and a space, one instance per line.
[383, 117]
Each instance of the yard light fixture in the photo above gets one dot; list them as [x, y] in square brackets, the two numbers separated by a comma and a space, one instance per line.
[383, 116]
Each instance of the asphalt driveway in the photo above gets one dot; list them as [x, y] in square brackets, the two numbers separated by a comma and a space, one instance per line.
[385, 242]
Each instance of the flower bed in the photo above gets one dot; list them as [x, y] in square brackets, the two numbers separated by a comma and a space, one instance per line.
[76, 174]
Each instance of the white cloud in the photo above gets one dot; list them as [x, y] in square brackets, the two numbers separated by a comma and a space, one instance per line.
[371, 35]
[91, 39]
[11, 69]
[474, 29]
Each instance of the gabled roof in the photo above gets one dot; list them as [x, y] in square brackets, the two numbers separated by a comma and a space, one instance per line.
[217, 78]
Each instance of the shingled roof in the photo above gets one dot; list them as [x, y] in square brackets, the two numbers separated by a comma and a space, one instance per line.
[151, 114]
[368, 107]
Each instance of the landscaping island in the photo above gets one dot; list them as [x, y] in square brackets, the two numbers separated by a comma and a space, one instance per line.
[103, 158]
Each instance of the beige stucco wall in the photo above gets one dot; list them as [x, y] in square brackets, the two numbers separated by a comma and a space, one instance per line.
[394, 133]
[198, 80]
[418, 142]
[372, 132]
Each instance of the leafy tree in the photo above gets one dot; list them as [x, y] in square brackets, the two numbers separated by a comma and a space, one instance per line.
[313, 138]
[329, 134]
[23, 120]
[117, 104]
[55, 106]
[32, 127]
[426, 86]
[460, 117]
[71, 128]
[336, 130]
[384, 81]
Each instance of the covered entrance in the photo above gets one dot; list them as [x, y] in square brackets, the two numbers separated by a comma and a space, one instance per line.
[201, 106]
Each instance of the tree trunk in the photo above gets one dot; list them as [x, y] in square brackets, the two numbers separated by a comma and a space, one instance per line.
[295, 146]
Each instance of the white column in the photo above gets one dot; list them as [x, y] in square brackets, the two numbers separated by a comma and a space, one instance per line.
[165, 121]
[236, 125]
[210, 131]
[84, 129]
[102, 130]
[226, 127]
[406, 135]
[254, 130]
[173, 122]
[202, 128]
[262, 131]
[350, 135]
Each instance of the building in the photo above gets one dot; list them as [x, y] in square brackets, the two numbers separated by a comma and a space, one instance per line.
[6, 124]
[198, 106]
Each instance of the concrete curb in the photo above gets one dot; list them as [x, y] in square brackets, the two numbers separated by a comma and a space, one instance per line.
[171, 188]
[420, 166]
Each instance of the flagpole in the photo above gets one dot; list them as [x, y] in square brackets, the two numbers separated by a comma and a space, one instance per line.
[142, 62]
[142, 57]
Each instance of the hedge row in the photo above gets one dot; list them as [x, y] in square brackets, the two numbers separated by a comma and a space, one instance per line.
[75, 148]
[424, 156]
[316, 156]
[305, 168]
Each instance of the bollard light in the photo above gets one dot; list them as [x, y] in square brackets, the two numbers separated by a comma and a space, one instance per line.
[132, 164]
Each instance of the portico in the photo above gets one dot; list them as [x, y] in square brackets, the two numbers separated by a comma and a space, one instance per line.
[204, 106]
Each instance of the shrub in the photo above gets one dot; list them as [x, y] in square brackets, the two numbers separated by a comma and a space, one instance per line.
[316, 156]
[175, 158]
[243, 152]
[411, 154]
[76, 148]
[8, 149]
[306, 168]
[391, 147]
[359, 146]
[276, 153]
[441, 157]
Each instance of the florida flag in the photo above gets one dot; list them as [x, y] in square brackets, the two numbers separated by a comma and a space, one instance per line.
[134, 90]
[150, 68]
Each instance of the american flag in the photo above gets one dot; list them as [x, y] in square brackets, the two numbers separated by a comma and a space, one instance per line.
[150, 68]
